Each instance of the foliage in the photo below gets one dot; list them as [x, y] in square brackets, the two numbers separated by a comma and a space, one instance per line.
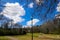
[14, 31]
[51, 27]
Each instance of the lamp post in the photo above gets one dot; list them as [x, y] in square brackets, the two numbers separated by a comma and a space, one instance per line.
[38, 2]
[32, 26]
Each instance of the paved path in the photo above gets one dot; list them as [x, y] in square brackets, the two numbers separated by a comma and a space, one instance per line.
[12, 38]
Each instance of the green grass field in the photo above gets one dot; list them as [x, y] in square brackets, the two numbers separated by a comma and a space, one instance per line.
[3, 38]
[37, 36]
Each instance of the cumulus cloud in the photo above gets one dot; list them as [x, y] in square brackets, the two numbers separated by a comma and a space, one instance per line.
[58, 7]
[17, 19]
[31, 5]
[34, 22]
[14, 11]
[24, 26]
[39, 2]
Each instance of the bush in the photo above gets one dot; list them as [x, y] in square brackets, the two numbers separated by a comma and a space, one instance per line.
[11, 32]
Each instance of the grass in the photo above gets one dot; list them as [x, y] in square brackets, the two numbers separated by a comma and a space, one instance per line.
[37, 36]
[3, 38]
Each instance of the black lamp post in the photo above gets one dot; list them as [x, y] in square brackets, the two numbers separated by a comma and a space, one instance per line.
[32, 26]
[39, 2]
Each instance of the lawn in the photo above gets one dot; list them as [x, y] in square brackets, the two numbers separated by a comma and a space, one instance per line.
[37, 36]
[26, 37]
[3, 38]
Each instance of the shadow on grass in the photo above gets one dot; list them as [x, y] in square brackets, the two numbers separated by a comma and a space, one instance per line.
[12, 34]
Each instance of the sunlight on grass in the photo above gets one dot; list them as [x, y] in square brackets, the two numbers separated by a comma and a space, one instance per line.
[38, 36]
[52, 35]
[3, 38]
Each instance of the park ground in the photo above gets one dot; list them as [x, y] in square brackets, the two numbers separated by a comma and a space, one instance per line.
[37, 36]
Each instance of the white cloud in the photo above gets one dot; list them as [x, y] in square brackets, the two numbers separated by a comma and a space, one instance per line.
[17, 19]
[24, 26]
[31, 5]
[39, 2]
[58, 7]
[14, 11]
[29, 23]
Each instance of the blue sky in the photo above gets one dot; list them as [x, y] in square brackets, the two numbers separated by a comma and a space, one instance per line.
[30, 8]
